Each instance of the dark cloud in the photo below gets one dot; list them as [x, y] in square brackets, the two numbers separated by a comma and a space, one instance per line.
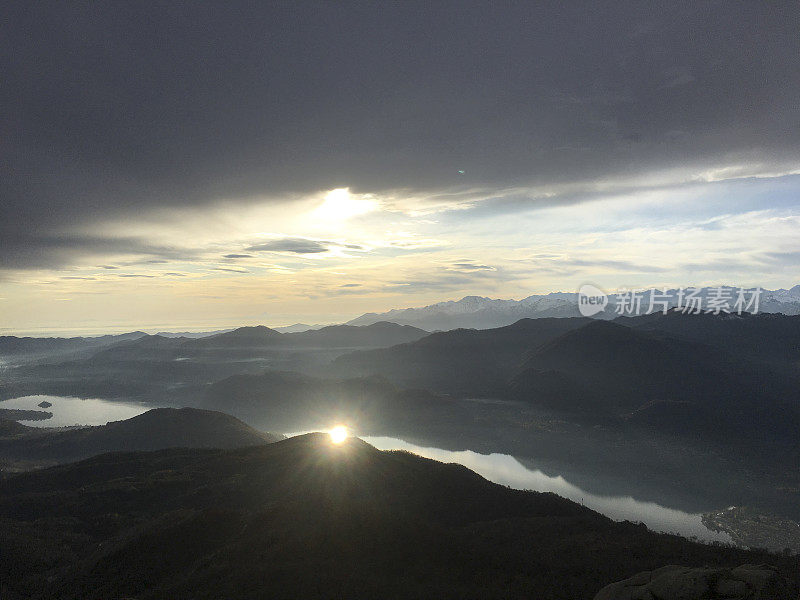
[230, 270]
[110, 109]
[238, 256]
[466, 266]
[783, 258]
[446, 280]
[617, 265]
[295, 245]
[136, 275]
[20, 249]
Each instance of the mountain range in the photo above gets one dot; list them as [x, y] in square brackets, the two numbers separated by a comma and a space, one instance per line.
[739, 382]
[486, 313]
[252, 339]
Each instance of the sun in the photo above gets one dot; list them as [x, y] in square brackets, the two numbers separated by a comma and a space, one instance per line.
[340, 205]
[338, 434]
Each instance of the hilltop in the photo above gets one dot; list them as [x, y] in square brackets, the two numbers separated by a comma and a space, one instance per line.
[155, 429]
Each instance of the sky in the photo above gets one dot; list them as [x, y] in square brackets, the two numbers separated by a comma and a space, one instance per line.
[170, 165]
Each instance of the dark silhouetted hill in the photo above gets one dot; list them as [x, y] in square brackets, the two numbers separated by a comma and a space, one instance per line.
[24, 349]
[156, 429]
[240, 337]
[146, 348]
[302, 518]
[348, 336]
[9, 428]
[333, 336]
[605, 370]
[250, 341]
[762, 337]
[619, 369]
[463, 361]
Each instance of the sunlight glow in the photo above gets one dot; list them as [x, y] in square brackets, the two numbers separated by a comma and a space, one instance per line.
[340, 204]
[338, 434]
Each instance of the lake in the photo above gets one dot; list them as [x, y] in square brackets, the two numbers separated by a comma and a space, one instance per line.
[69, 411]
[507, 470]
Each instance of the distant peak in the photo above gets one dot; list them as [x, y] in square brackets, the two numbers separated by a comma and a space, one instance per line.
[253, 329]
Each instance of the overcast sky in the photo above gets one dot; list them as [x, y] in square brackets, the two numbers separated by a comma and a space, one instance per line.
[209, 164]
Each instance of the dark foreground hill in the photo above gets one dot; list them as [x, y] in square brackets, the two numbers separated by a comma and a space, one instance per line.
[303, 518]
[156, 429]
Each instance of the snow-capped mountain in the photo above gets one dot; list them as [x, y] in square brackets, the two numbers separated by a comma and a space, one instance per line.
[479, 312]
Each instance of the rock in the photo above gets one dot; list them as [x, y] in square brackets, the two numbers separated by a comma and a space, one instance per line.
[731, 588]
[747, 582]
[682, 583]
[44, 404]
[764, 580]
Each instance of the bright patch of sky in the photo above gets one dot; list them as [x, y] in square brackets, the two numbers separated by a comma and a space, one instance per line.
[333, 255]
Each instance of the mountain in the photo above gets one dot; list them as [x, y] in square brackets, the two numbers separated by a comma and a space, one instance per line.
[475, 312]
[462, 361]
[152, 347]
[297, 328]
[174, 370]
[303, 518]
[9, 429]
[651, 372]
[254, 342]
[148, 347]
[152, 430]
[615, 369]
[240, 337]
[609, 370]
[191, 334]
[764, 337]
[376, 335]
[12, 346]
[487, 313]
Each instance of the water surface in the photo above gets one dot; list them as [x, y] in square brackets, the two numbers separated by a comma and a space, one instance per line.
[507, 470]
[69, 411]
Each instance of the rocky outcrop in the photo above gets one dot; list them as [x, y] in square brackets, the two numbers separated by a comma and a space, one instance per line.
[747, 582]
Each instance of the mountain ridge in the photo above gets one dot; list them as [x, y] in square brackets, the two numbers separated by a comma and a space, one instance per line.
[485, 313]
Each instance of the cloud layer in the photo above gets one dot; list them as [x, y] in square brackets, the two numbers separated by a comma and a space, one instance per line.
[266, 140]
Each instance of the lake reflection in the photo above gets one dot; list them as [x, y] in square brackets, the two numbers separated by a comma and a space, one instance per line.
[69, 411]
[507, 470]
